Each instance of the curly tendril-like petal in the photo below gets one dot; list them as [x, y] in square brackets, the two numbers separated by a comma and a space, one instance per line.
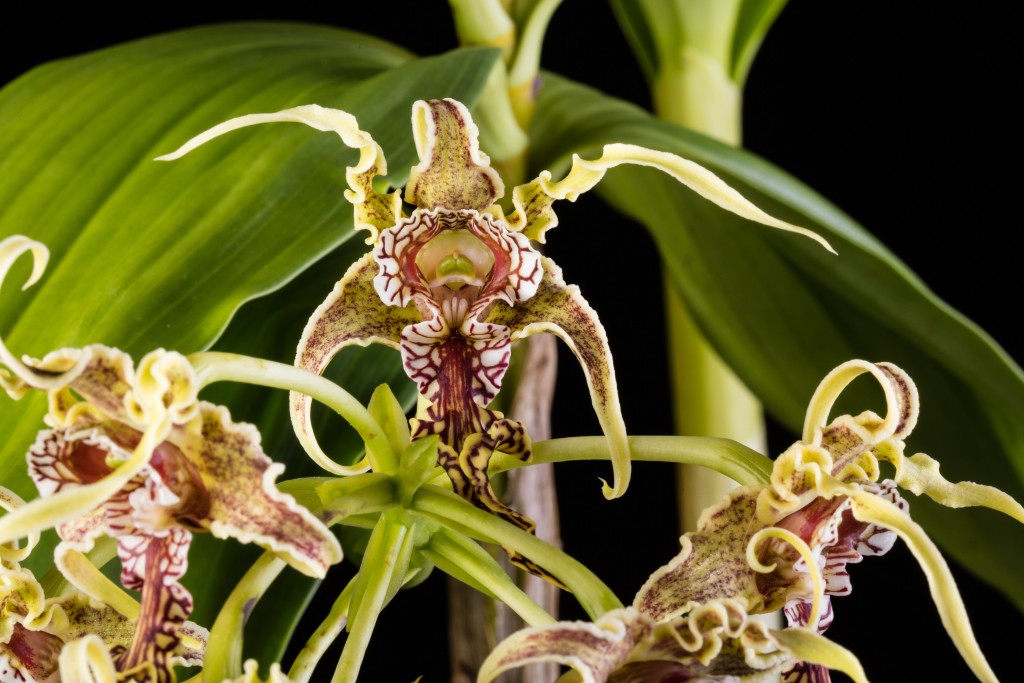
[901, 399]
[373, 211]
[352, 314]
[560, 309]
[808, 556]
[870, 508]
[10, 501]
[533, 215]
[920, 474]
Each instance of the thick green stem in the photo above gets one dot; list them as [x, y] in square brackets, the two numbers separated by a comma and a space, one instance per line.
[453, 512]
[693, 88]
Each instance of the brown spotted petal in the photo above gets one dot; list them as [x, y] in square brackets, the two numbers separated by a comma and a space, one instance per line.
[453, 173]
[594, 651]
[715, 642]
[712, 563]
[245, 504]
[561, 309]
[353, 314]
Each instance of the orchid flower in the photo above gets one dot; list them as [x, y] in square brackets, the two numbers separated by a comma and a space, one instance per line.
[825, 506]
[456, 282]
[786, 545]
[132, 454]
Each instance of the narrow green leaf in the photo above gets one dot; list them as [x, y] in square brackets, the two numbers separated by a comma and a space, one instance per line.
[754, 19]
[783, 312]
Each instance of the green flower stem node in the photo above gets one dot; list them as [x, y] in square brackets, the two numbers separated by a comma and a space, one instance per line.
[419, 463]
[456, 514]
[362, 494]
[386, 409]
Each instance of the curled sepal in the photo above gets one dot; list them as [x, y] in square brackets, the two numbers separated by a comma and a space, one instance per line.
[901, 400]
[453, 173]
[593, 650]
[878, 511]
[561, 309]
[87, 660]
[716, 642]
[533, 215]
[373, 211]
[246, 504]
[352, 314]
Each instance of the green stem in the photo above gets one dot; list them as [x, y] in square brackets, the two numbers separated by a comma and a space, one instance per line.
[329, 629]
[730, 458]
[459, 556]
[694, 88]
[455, 513]
[374, 581]
[213, 367]
[223, 659]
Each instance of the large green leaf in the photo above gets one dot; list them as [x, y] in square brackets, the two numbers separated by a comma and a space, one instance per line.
[146, 254]
[782, 311]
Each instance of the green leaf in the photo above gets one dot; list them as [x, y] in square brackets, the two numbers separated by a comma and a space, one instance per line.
[148, 254]
[783, 312]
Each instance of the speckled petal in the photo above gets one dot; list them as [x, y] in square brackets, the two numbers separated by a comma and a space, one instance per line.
[453, 173]
[592, 650]
[560, 309]
[353, 314]
[244, 502]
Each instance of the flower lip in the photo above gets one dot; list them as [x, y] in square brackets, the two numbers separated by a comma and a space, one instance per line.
[455, 258]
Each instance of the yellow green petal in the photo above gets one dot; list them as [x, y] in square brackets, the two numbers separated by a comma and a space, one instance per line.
[534, 216]
[561, 309]
[871, 508]
[808, 646]
[453, 173]
[373, 211]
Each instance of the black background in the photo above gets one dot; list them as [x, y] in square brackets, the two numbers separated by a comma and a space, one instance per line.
[902, 118]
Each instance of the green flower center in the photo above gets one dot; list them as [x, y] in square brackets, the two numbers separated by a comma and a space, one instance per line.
[453, 259]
